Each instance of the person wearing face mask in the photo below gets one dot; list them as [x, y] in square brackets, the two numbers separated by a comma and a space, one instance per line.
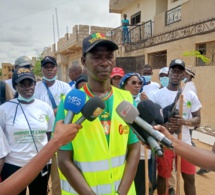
[164, 77]
[27, 123]
[149, 86]
[22, 61]
[50, 90]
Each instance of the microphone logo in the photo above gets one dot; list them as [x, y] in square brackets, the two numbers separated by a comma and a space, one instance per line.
[97, 112]
[125, 110]
[74, 100]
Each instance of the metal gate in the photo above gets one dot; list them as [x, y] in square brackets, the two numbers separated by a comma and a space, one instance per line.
[131, 64]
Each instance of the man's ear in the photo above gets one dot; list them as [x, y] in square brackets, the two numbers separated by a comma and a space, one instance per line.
[83, 60]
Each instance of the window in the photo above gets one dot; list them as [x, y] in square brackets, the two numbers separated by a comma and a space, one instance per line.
[158, 59]
[202, 49]
[135, 19]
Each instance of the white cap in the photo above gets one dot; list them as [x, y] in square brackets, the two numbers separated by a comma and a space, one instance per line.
[164, 70]
[23, 61]
[191, 71]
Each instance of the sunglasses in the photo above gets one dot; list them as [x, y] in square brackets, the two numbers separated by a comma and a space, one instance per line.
[136, 82]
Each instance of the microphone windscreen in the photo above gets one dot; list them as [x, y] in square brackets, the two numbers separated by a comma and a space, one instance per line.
[127, 111]
[75, 100]
[93, 108]
[150, 112]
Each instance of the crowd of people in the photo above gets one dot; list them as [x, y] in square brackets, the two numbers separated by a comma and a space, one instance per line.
[103, 156]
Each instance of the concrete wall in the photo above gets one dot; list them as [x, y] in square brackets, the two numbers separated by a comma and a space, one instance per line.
[191, 12]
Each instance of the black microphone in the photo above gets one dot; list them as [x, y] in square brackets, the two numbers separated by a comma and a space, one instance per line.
[130, 115]
[147, 138]
[91, 110]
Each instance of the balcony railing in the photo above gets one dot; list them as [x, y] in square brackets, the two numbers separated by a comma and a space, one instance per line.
[199, 28]
[173, 15]
[137, 33]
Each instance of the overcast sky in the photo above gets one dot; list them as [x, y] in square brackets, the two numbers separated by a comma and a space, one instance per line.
[26, 26]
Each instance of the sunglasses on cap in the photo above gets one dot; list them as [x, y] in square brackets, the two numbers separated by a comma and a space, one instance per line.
[136, 82]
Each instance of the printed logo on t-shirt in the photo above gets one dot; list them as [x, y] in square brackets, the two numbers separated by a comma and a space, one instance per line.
[189, 104]
[43, 118]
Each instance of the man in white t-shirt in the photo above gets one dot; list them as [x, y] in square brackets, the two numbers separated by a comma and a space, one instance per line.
[191, 117]
[149, 85]
[57, 89]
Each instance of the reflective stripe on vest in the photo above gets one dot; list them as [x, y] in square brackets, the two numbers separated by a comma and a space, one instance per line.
[100, 165]
[99, 189]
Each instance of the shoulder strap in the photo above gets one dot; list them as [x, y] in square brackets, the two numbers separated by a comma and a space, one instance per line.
[50, 96]
[177, 97]
[2, 92]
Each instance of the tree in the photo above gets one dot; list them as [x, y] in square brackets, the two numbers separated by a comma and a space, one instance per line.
[37, 67]
[197, 54]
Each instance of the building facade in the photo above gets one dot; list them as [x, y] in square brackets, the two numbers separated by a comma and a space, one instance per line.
[7, 71]
[159, 31]
[8, 68]
[69, 48]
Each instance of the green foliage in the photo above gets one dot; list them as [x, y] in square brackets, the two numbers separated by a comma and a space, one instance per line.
[37, 67]
[197, 54]
[0, 71]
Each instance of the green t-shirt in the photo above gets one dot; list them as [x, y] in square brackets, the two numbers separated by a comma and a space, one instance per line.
[105, 119]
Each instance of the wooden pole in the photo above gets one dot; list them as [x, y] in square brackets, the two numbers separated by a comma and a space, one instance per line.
[146, 172]
[178, 157]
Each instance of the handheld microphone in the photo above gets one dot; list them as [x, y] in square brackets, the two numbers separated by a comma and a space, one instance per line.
[73, 103]
[147, 138]
[130, 115]
[91, 110]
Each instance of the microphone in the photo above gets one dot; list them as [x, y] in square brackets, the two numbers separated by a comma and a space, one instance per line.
[73, 103]
[147, 138]
[91, 110]
[130, 115]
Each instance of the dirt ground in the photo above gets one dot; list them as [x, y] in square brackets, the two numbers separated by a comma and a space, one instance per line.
[204, 183]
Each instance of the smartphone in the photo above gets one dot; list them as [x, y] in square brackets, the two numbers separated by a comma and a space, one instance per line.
[44, 171]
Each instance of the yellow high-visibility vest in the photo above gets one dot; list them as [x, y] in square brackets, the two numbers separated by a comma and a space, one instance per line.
[101, 164]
